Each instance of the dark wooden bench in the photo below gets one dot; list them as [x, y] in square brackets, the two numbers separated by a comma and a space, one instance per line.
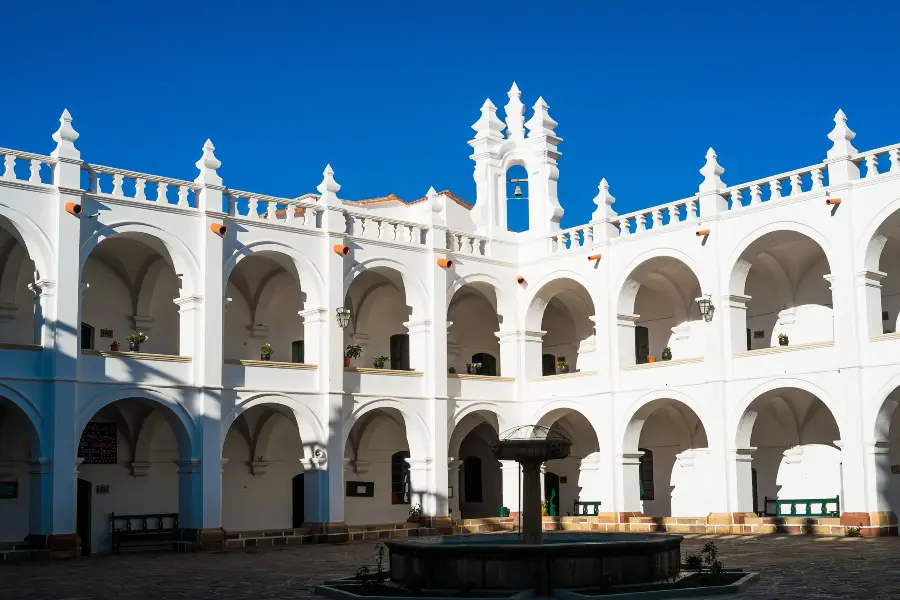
[789, 508]
[143, 531]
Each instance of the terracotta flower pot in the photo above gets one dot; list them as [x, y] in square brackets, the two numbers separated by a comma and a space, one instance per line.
[114, 347]
[346, 361]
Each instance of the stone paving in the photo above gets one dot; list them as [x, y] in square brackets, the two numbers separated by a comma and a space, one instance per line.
[791, 566]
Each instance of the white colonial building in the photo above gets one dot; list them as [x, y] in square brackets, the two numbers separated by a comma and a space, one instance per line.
[195, 423]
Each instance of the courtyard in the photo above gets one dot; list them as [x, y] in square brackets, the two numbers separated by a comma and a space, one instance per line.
[791, 567]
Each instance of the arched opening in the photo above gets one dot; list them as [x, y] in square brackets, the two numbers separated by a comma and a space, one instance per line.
[658, 311]
[378, 455]
[129, 285]
[575, 478]
[791, 435]
[564, 311]
[887, 454]
[882, 262]
[130, 452]
[673, 470]
[263, 298]
[517, 198]
[18, 304]
[382, 320]
[779, 286]
[474, 471]
[263, 453]
[472, 337]
[18, 445]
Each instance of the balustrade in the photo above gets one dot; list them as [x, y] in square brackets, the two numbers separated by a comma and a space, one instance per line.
[118, 183]
[39, 167]
[874, 164]
[298, 212]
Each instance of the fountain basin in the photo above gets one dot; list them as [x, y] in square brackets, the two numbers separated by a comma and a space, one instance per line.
[495, 562]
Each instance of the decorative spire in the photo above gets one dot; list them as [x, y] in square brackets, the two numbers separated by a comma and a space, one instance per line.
[65, 138]
[436, 201]
[604, 201]
[515, 114]
[841, 136]
[328, 185]
[712, 174]
[488, 126]
[541, 123]
[208, 165]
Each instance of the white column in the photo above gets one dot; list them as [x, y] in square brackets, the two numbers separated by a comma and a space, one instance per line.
[315, 327]
[315, 490]
[740, 471]
[191, 338]
[509, 353]
[878, 475]
[419, 350]
[418, 485]
[190, 492]
[853, 488]
[869, 288]
[630, 484]
[511, 484]
[40, 493]
[589, 479]
[625, 338]
[737, 321]
[453, 465]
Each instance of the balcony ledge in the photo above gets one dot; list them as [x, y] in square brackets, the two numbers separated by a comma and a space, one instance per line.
[138, 356]
[664, 363]
[564, 376]
[4, 346]
[780, 349]
[875, 338]
[478, 377]
[373, 371]
[272, 364]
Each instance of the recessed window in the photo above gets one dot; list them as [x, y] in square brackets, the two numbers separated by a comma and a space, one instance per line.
[646, 474]
[399, 478]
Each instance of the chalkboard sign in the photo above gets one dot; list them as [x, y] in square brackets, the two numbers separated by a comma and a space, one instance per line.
[98, 444]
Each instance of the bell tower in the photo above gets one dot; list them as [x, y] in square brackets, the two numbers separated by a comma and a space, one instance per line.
[494, 153]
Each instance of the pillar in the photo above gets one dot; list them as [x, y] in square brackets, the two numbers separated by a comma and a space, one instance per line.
[853, 488]
[532, 520]
[418, 485]
[869, 293]
[589, 479]
[510, 473]
[419, 349]
[625, 338]
[737, 321]
[453, 465]
[878, 475]
[630, 485]
[740, 463]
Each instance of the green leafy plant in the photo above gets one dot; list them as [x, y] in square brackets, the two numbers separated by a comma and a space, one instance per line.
[373, 575]
[137, 338]
[379, 361]
[693, 561]
[266, 349]
[782, 336]
[714, 567]
[562, 363]
[545, 507]
[452, 370]
[415, 510]
[853, 531]
[353, 351]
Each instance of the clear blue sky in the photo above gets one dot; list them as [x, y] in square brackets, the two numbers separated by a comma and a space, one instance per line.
[386, 91]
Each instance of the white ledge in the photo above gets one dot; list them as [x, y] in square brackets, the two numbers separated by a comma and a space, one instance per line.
[479, 377]
[875, 338]
[373, 371]
[138, 356]
[780, 349]
[4, 346]
[273, 364]
[663, 363]
[564, 376]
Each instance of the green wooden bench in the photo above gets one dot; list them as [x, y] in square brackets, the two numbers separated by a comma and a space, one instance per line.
[583, 508]
[803, 507]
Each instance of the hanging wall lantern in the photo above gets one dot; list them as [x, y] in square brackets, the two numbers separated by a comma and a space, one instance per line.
[706, 308]
[343, 316]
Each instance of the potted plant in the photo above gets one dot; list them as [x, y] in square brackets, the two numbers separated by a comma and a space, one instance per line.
[473, 368]
[783, 339]
[265, 351]
[379, 361]
[667, 353]
[114, 347]
[545, 508]
[452, 370]
[562, 366]
[352, 351]
[135, 340]
[415, 511]
[504, 511]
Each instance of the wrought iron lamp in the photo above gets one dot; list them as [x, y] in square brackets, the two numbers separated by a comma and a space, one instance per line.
[343, 316]
[706, 308]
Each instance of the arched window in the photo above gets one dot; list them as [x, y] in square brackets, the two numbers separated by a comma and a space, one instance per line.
[646, 471]
[472, 479]
[488, 363]
[87, 337]
[517, 215]
[399, 478]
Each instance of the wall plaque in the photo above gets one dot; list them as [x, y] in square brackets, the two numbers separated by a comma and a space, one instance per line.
[107, 333]
[98, 445]
[361, 489]
[9, 490]
[759, 334]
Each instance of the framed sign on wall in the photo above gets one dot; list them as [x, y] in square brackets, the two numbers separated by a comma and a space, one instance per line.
[361, 489]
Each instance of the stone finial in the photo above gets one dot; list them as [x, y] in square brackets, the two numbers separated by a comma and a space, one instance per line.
[515, 114]
[208, 165]
[541, 122]
[328, 185]
[841, 136]
[712, 174]
[604, 201]
[65, 138]
[436, 201]
[488, 126]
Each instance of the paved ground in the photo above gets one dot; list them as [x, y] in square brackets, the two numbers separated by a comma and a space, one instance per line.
[792, 567]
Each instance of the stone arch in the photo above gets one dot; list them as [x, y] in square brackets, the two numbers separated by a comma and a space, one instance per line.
[505, 305]
[643, 407]
[308, 276]
[550, 286]
[743, 426]
[310, 426]
[167, 244]
[413, 288]
[33, 416]
[628, 294]
[879, 424]
[872, 242]
[467, 419]
[145, 285]
[417, 432]
[177, 415]
[145, 434]
[33, 238]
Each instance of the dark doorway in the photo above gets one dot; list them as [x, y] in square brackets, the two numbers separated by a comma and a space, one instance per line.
[755, 490]
[400, 352]
[548, 365]
[749, 342]
[87, 337]
[488, 363]
[641, 345]
[551, 493]
[297, 351]
[83, 515]
[297, 500]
